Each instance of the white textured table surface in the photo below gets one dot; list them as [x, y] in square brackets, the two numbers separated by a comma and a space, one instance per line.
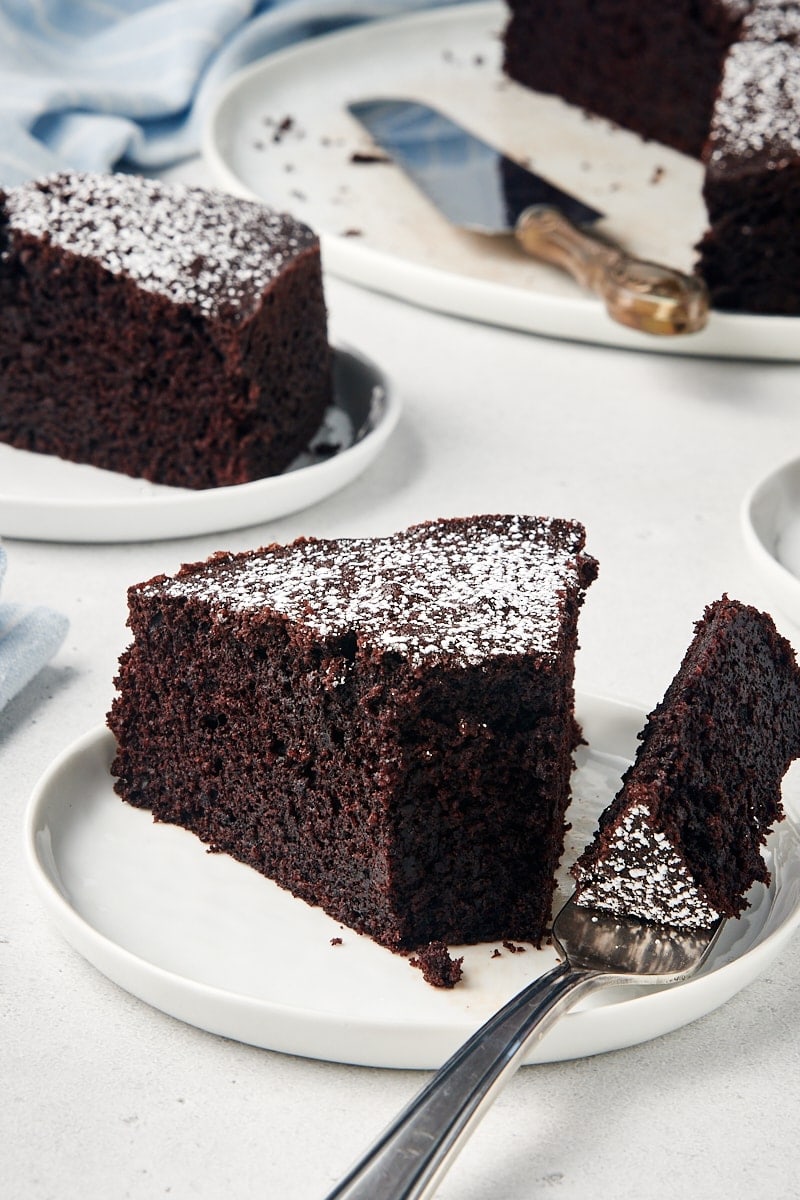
[103, 1096]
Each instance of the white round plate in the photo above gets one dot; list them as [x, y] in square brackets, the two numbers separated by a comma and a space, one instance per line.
[280, 132]
[45, 498]
[771, 531]
[215, 944]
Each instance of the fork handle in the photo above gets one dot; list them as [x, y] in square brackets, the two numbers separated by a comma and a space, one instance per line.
[642, 295]
[410, 1158]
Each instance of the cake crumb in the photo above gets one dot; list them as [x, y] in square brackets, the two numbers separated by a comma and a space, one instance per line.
[496, 953]
[367, 158]
[336, 941]
[514, 949]
[438, 967]
[282, 127]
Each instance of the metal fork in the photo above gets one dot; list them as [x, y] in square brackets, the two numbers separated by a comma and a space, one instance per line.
[410, 1158]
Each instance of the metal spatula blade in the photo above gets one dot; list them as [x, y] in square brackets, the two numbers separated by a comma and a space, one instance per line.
[410, 1158]
[473, 184]
[480, 189]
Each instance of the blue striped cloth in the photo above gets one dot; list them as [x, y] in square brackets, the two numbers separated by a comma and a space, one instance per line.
[29, 637]
[89, 84]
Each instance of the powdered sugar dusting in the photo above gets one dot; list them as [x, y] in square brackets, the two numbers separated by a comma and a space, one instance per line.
[641, 875]
[467, 589]
[204, 249]
[758, 107]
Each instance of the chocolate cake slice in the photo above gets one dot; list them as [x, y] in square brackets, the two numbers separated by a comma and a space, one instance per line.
[159, 330]
[680, 845]
[383, 726]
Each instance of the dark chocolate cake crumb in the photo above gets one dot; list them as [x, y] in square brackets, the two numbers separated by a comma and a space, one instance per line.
[513, 948]
[438, 967]
[336, 941]
[281, 126]
[368, 158]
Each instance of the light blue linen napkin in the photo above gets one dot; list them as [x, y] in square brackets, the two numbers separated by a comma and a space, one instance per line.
[28, 639]
[87, 85]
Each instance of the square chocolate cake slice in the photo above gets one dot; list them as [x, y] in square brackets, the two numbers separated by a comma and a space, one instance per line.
[384, 726]
[680, 845]
[159, 330]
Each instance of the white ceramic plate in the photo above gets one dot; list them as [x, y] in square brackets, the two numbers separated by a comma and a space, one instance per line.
[771, 530]
[280, 132]
[48, 499]
[213, 943]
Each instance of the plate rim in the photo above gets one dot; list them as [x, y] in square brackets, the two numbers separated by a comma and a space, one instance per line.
[181, 512]
[782, 582]
[305, 1030]
[580, 318]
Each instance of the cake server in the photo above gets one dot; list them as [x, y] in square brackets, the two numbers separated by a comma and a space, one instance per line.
[480, 189]
[411, 1157]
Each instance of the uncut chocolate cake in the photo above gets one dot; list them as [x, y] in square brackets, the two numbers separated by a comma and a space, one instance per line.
[159, 330]
[680, 845]
[718, 80]
[383, 726]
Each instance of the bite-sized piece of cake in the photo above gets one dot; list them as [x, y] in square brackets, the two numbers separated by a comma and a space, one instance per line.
[750, 254]
[653, 68]
[680, 845]
[438, 966]
[159, 330]
[383, 726]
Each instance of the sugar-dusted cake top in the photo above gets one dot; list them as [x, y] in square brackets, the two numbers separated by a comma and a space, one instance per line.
[204, 249]
[757, 112]
[641, 875]
[461, 588]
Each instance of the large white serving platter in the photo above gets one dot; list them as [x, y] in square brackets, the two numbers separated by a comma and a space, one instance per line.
[280, 132]
[45, 498]
[214, 944]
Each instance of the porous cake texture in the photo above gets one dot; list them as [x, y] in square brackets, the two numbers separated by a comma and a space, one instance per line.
[680, 845]
[383, 726]
[159, 330]
[716, 79]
